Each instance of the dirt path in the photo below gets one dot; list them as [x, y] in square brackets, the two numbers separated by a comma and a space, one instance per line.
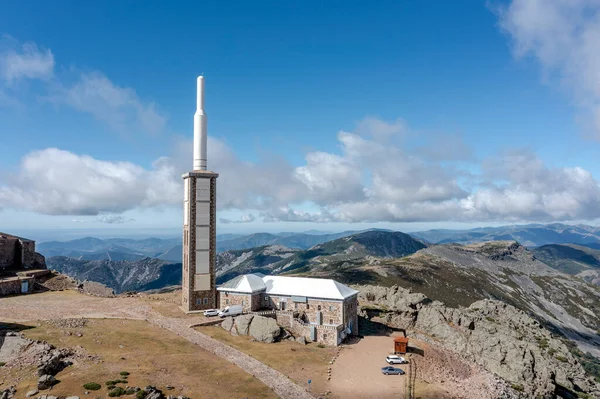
[68, 304]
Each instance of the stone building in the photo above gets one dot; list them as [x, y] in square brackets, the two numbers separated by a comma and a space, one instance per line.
[19, 265]
[322, 310]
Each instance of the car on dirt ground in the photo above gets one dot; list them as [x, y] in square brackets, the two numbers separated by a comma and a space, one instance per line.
[389, 370]
[394, 359]
[211, 312]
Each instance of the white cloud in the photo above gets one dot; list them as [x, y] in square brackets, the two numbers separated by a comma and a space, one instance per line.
[119, 107]
[114, 219]
[371, 179]
[24, 61]
[58, 182]
[92, 92]
[564, 36]
[249, 218]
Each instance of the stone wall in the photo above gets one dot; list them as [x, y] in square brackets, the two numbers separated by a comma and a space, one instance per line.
[12, 286]
[230, 298]
[18, 253]
[351, 314]
[8, 252]
[331, 310]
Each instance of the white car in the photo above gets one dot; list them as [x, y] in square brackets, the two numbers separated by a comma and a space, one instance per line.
[211, 312]
[393, 359]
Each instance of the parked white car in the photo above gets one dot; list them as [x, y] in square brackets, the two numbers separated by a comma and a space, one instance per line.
[211, 312]
[393, 359]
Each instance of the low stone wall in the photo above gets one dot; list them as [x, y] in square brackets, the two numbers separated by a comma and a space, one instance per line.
[12, 285]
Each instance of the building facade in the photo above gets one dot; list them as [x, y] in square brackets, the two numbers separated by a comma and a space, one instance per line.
[20, 265]
[321, 310]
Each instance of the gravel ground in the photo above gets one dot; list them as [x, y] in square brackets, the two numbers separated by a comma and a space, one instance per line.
[70, 305]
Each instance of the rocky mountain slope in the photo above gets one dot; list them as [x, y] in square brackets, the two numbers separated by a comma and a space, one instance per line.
[576, 260]
[462, 274]
[531, 235]
[279, 259]
[139, 275]
[290, 240]
[253, 260]
[92, 248]
[497, 336]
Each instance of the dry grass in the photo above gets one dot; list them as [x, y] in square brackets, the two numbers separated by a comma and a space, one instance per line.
[298, 362]
[166, 304]
[152, 356]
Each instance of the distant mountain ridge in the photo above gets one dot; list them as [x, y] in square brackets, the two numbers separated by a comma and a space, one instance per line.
[531, 235]
[290, 240]
[121, 275]
[357, 246]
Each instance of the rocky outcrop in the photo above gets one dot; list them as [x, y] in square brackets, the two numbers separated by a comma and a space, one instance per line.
[45, 382]
[492, 334]
[262, 329]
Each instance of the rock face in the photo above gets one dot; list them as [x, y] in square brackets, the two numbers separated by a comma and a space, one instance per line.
[242, 324]
[492, 334]
[45, 382]
[262, 329]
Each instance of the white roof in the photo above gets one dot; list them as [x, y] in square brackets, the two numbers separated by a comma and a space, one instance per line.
[309, 287]
[247, 283]
[292, 286]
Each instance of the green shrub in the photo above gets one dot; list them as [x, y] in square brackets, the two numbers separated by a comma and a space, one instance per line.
[518, 387]
[124, 373]
[140, 395]
[129, 391]
[110, 382]
[92, 386]
[115, 392]
[121, 381]
[319, 345]
[561, 359]
[2, 364]
[491, 319]
[551, 351]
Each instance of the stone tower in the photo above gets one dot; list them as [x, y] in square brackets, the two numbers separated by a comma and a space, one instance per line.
[199, 222]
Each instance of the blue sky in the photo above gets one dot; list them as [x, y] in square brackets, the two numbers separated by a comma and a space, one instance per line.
[485, 118]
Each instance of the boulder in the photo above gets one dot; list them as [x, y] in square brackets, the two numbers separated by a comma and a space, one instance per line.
[227, 324]
[301, 340]
[264, 329]
[242, 323]
[31, 393]
[46, 381]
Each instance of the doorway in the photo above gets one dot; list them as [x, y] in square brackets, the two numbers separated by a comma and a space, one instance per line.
[24, 287]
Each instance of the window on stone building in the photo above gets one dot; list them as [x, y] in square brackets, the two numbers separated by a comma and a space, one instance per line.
[330, 321]
[324, 336]
[330, 308]
[206, 301]
[318, 307]
[226, 301]
[243, 302]
[198, 301]
[307, 306]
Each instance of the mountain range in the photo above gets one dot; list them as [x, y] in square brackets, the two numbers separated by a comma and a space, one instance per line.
[531, 235]
[546, 282]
